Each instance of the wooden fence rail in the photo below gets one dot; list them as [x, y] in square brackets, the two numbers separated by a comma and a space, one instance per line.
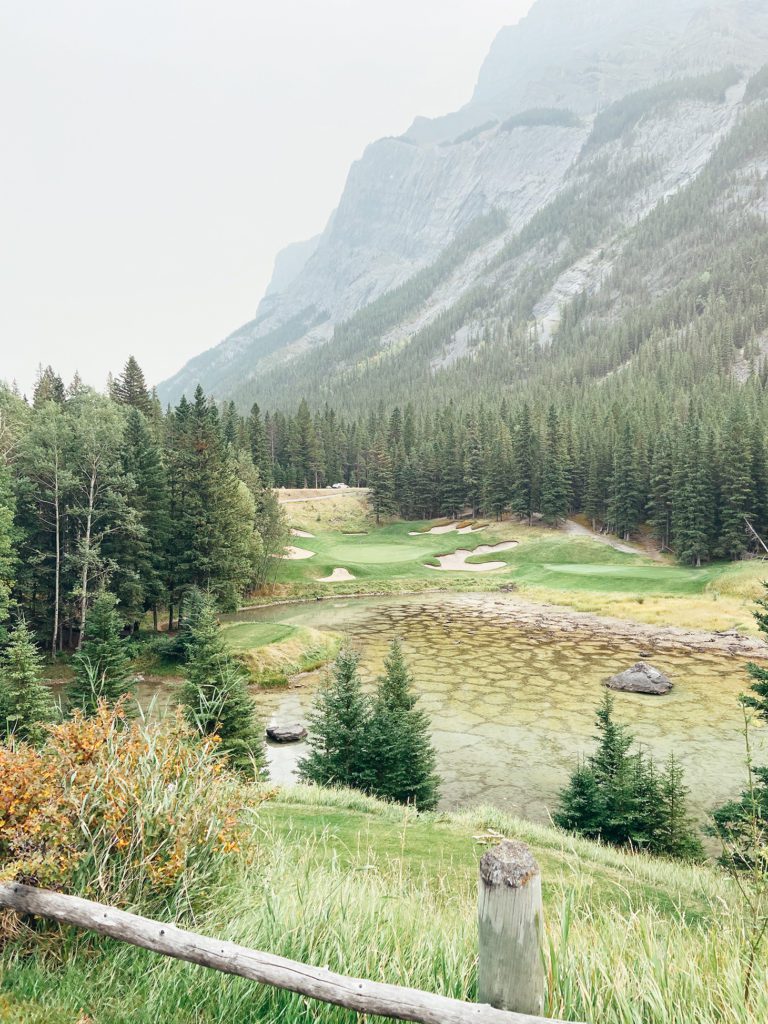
[363, 996]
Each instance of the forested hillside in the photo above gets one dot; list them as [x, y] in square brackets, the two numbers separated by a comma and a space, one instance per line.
[646, 403]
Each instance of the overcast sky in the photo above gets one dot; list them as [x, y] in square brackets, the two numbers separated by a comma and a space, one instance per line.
[158, 153]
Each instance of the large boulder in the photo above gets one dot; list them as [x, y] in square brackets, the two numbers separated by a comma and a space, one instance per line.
[640, 678]
[293, 733]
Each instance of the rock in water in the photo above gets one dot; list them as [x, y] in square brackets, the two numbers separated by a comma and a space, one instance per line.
[641, 678]
[286, 733]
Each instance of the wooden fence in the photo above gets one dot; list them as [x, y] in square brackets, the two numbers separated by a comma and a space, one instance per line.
[511, 973]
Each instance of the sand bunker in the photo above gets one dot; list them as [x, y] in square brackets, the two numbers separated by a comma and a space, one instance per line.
[457, 562]
[446, 529]
[293, 554]
[338, 576]
[302, 533]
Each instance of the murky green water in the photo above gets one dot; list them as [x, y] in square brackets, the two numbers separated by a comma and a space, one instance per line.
[512, 708]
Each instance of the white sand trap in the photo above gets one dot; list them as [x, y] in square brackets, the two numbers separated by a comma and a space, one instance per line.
[293, 554]
[338, 576]
[302, 533]
[457, 562]
[446, 529]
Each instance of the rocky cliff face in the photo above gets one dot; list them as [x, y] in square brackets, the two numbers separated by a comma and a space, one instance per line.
[540, 127]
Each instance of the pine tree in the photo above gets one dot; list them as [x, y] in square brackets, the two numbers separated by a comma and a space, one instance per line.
[130, 388]
[49, 387]
[618, 796]
[381, 482]
[737, 499]
[102, 663]
[757, 698]
[524, 466]
[211, 525]
[139, 579]
[624, 509]
[215, 696]
[26, 703]
[338, 730]
[674, 833]
[581, 804]
[401, 755]
[555, 487]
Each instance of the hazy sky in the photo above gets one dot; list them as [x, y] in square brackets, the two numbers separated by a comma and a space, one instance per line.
[158, 153]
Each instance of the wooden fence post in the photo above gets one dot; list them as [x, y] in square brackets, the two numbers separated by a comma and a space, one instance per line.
[510, 919]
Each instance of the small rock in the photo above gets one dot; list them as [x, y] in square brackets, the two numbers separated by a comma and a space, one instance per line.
[640, 678]
[294, 733]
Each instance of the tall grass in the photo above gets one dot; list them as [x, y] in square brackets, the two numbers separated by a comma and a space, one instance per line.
[372, 891]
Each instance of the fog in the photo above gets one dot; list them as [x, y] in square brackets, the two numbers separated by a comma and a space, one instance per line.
[158, 154]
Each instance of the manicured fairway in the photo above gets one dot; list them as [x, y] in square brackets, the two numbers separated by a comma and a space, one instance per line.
[547, 565]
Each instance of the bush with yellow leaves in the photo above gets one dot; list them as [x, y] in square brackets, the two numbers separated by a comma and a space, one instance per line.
[118, 810]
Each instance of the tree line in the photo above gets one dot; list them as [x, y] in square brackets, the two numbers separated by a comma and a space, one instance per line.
[695, 475]
[108, 493]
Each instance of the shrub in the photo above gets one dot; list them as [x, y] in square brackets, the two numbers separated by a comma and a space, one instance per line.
[118, 811]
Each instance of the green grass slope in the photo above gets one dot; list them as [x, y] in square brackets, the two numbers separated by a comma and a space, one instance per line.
[371, 890]
[548, 565]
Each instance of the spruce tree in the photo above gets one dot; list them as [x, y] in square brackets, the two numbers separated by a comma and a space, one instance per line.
[338, 730]
[401, 755]
[581, 805]
[675, 834]
[130, 388]
[618, 796]
[26, 703]
[555, 487]
[737, 499]
[381, 482]
[215, 696]
[757, 698]
[102, 663]
[625, 504]
[524, 466]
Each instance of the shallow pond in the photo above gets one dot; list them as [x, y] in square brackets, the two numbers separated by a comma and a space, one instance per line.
[513, 707]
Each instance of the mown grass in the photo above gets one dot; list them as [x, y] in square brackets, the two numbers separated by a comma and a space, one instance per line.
[272, 652]
[546, 566]
[375, 891]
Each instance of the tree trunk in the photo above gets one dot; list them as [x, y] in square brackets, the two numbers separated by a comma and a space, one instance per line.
[86, 559]
[57, 572]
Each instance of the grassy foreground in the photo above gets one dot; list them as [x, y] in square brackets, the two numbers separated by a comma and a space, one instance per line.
[548, 566]
[371, 890]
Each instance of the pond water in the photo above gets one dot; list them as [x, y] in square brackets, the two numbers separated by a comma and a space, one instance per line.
[512, 707]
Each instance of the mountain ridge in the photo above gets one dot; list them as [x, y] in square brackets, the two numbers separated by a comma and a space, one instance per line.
[408, 199]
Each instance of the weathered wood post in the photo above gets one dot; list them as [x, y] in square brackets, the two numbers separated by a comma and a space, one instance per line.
[511, 971]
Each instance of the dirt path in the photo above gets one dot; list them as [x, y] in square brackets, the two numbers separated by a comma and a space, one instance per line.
[577, 530]
[291, 496]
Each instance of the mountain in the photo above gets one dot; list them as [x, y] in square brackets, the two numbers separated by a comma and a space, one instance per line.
[590, 125]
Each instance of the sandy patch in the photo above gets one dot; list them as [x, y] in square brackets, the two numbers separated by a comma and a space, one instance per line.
[302, 533]
[457, 562]
[293, 554]
[446, 529]
[338, 576]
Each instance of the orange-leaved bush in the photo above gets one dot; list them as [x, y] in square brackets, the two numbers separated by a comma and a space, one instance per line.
[120, 811]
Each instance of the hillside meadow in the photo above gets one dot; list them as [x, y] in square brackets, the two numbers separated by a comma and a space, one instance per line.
[332, 877]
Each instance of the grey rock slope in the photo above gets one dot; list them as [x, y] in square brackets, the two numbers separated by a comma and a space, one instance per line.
[523, 140]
